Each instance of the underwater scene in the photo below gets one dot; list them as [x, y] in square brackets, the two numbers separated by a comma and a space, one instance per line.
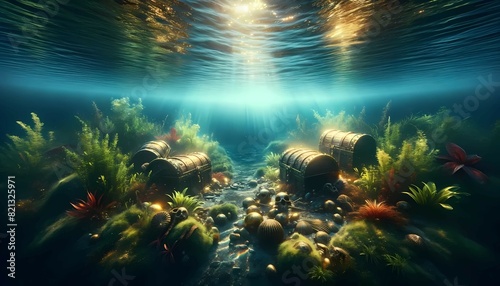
[250, 142]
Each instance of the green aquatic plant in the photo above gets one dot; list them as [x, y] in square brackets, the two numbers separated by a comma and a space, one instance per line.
[429, 196]
[273, 160]
[180, 199]
[343, 121]
[295, 251]
[100, 164]
[370, 253]
[369, 181]
[228, 209]
[130, 124]
[318, 274]
[191, 141]
[191, 238]
[385, 162]
[25, 154]
[396, 262]
[415, 153]
[391, 139]
[271, 174]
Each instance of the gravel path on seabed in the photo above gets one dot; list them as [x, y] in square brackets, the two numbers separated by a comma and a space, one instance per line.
[240, 264]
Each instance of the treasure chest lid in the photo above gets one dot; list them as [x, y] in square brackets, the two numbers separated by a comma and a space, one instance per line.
[309, 162]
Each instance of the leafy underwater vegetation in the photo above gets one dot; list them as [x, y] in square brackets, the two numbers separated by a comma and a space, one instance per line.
[381, 253]
[101, 165]
[430, 197]
[26, 155]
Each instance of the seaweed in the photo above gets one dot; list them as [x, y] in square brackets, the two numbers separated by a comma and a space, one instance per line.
[25, 154]
[273, 160]
[369, 181]
[101, 165]
[397, 263]
[272, 174]
[130, 124]
[191, 141]
[343, 121]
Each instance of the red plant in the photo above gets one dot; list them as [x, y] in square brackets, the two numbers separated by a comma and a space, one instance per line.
[170, 137]
[90, 209]
[374, 211]
[457, 159]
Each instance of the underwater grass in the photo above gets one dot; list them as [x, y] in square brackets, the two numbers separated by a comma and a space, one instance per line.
[180, 199]
[429, 196]
[101, 165]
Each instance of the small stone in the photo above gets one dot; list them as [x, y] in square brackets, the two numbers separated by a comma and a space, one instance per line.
[414, 239]
[403, 205]
[337, 218]
[234, 237]
[252, 183]
[271, 270]
[329, 206]
[322, 237]
[220, 219]
[339, 210]
[253, 208]
[248, 201]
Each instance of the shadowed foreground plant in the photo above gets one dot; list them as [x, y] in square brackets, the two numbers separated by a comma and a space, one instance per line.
[397, 263]
[429, 195]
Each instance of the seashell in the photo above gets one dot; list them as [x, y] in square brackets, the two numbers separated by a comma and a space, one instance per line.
[253, 208]
[321, 237]
[161, 220]
[220, 219]
[272, 213]
[271, 270]
[303, 227]
[323, 249]
[337, 218]
[318, 225]
[270, 232]
[329, 206]
[248, 201]
[282, 219]
[339, 211]
[252, 221]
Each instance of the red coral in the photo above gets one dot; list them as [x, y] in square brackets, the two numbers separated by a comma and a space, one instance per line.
[171, 137]
[90, 209]
[380, 212]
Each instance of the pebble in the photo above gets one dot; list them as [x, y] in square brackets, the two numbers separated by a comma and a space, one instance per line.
[252, 183]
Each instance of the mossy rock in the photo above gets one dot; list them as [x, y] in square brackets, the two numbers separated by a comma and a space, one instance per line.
[228, 209]
[191, 238]
[298, 251]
